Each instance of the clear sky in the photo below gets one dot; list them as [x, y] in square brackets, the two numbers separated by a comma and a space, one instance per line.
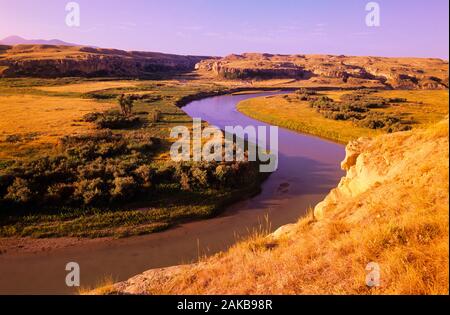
[220, 27]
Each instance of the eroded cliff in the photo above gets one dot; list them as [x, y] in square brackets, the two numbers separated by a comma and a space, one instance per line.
[60, 61]
[398, 73]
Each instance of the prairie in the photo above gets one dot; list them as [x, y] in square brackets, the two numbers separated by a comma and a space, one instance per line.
[421, 108]
[30, 122]
[35, 117]
[89, 86]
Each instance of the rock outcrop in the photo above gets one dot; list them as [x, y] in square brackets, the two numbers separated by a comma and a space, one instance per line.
[369, 166]
[60, 61]
[398, 73]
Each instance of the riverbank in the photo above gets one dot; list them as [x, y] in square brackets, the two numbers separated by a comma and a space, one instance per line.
[419, 108]
[308, 170]
[390, 211]
[104, 168]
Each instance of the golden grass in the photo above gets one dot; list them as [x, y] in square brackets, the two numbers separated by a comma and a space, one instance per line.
[103, 287]
[400, 223]
[46, 118]
[425, 107]
[298, 116]
[88, 86]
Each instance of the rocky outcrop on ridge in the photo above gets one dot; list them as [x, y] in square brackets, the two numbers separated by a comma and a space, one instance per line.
[61, 61]
[398, 73]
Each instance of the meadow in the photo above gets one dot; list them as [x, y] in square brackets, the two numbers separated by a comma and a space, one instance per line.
[59, 170]
[36, 115]
[419, 108]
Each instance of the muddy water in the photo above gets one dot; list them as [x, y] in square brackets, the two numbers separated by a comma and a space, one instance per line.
[308, 169]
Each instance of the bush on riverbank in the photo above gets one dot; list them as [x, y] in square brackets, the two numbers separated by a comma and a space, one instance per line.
[112, 120]
[359, 107]
[105, 169]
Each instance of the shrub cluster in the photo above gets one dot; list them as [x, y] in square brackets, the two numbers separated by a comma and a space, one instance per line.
[305, 94]
[202, 175]
[112, 119]
[359, 108]
[91, 170]
[105, 170]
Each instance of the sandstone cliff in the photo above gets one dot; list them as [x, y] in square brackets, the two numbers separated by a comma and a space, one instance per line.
[60, 61]
[399, 73]
[390, 209]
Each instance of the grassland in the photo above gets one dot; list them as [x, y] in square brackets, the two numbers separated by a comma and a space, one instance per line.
[422, 108]
[399, 222]
[33, 122]
[89, 86]
[35, 114]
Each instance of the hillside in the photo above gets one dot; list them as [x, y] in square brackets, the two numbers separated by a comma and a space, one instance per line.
[62, 61]
[391, 209]
[398, 73]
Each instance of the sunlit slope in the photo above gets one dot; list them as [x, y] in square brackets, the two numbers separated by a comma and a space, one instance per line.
[390, 209]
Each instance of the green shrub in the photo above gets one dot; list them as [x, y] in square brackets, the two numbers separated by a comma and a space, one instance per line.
[19, 191]
[59, 193]
[115, 120]
[358, 107]
[112, 120]
[305, 94]
[91, 192]
[124, 188]
[144, 176]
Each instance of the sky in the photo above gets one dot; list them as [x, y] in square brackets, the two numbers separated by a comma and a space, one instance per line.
[415, 28]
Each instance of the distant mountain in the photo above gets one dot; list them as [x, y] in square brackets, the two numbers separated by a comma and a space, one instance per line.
[17, 40]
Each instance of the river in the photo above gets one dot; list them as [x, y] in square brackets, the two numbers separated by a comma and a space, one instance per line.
[309, 167]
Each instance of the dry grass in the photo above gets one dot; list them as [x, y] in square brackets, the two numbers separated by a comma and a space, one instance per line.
[88, 86]
[401, 223]
[103, 287]
[298, 116]
[40, 120]
[423, 107]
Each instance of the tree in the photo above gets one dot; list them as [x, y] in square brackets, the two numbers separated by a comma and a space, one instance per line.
[126, 103]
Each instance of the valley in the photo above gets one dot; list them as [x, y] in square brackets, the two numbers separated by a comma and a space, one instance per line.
[82, 175]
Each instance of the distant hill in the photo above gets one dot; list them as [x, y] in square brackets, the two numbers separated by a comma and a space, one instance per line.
[17, 40]
[398, 73]
[43, 60]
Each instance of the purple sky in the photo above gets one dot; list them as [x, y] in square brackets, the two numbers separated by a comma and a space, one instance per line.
[219, 27]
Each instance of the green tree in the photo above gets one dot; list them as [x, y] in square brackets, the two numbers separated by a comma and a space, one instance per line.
[126, 103]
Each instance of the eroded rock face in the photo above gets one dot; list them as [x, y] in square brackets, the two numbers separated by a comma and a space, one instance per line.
[398, 73]
[369, 164]
[60, 61]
